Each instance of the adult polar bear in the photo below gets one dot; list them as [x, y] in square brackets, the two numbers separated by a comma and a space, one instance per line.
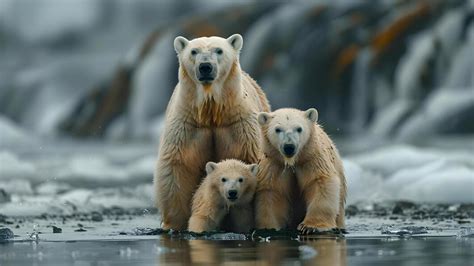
[212, 115]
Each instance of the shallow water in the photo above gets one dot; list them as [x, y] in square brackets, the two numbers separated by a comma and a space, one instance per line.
[317, 251]
[99, 193]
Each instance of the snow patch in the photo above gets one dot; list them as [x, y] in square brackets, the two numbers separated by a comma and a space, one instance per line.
[11, 167]
[408, 173]
[438, 181]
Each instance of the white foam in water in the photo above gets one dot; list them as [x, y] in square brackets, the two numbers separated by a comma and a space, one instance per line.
[388, 160]
[82, 170]
[88, 181]
[18, 187]
[90, 168]
[438, 181]
[11, 167]
[454, 104]
[408, 173]
[357, 183]
[11, 134]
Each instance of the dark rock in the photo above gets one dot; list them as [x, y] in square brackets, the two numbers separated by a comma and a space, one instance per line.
[97, 217]
[57, 230]
[80, 230]
[405, 204]
[274, 234]
[352, 210]
[3, 218]
[467, 209]
[5, 234]
[397, 210]
[149, 231]
[114, 211]
[4, 196]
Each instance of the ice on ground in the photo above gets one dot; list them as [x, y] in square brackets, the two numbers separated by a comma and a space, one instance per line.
[79, 170]
[11, 167]
[409, 173]
[17, 187]
[62, 177]
[72, 177]
[438, 181]
[390, 159]
[79, 200]
[466, 232]
[357, 183]
[53, 188]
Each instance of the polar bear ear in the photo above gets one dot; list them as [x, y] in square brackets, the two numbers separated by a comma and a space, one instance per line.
[180, 43]
[312, 114]
[236, 41]
[263, 118]
[210, 167]
[253, 169]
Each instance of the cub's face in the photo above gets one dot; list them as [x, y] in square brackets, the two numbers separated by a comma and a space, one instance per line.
[235, 181]
[288, 130]
[208, 59]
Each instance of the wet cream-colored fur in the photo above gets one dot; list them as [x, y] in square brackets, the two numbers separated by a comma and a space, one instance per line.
[205, 121]
[306, 191]
[214, 209]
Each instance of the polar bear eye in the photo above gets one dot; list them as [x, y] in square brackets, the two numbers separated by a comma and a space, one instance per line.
[241, 180]
[224, 180]
[278, 130]
[299, 130]
[194, 52]
[219, 51]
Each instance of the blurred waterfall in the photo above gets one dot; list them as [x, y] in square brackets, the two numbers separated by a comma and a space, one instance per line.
[378, 68]
[361, 93]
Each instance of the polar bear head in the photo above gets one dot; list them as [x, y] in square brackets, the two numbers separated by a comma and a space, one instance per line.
[208, 60]
[233, 180]
[288, 130]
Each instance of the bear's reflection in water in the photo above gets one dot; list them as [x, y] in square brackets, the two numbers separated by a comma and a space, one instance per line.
[308, 251]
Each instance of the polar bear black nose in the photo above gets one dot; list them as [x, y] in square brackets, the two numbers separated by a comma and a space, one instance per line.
[289, 149]
[205, 68]
[232, 194]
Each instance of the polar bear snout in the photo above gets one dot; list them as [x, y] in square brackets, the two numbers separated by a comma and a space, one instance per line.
[205, 68]
[206, 72]
[289, 150]
[232, 194]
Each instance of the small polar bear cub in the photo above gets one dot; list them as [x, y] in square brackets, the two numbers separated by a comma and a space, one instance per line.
[301, 182]
[224, 200]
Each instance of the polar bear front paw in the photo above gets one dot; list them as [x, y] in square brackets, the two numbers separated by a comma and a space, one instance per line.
[305, 229]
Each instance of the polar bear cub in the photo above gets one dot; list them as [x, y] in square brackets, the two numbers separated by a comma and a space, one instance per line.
[301, 181]
[224, 200]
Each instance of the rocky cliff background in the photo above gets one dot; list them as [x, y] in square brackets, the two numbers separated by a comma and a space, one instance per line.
[84, 85]
[106, 69]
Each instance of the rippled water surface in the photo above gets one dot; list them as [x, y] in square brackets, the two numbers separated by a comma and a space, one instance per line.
[163, 250]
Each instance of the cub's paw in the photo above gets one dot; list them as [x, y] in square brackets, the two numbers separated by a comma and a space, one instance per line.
[305, 229]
